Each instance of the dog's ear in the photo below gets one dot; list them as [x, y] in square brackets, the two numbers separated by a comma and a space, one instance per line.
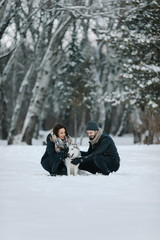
[77, 145]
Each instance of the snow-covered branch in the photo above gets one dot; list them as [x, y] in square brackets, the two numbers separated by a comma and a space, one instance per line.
[7, 53]
[88, 12]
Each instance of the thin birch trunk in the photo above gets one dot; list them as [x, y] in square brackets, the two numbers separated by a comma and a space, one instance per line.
[137, 125]
[123, 121]
[75, 127]
[8, 66]
[100, 89]
[18, 106]
[3, 113]
[3, 100]
[83, 126]
[6, 14]
[100, 102]
[42, 83]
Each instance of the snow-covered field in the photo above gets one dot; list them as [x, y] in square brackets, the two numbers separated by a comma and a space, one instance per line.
[122, 206]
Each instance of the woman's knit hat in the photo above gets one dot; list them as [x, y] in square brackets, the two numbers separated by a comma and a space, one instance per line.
[92, 126]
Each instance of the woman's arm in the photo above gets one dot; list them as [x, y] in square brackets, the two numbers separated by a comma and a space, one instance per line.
[51, 150]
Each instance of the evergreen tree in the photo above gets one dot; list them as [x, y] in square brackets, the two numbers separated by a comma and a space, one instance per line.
[138, 39]
[75, 83]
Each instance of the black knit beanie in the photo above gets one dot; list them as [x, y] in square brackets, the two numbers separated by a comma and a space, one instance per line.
[92, 126]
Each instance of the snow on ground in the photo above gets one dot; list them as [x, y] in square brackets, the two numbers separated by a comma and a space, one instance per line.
[122, 206]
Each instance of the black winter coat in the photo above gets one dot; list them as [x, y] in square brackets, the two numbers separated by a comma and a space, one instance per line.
[52, 159]
[51, 152]
[105, 146]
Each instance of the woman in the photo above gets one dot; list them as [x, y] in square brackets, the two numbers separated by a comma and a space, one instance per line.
[57, 149]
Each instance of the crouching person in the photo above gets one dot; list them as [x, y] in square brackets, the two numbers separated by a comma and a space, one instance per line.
[56, 151]
[102, 156]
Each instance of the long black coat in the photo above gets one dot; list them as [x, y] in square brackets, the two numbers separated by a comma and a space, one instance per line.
[104, 147]
[51, 157]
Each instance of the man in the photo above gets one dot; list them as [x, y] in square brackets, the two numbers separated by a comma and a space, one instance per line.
[102, 155]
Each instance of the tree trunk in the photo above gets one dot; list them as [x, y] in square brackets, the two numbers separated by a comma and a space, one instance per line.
[149, 137]
[42, 83]
[6, 14]
[100, 87]
[56, 109]
[9, 64]
[123, 121]
[3, 79]
[75, 127]
[83, 126]
[137, 125]
[3, 113]
[18, 106]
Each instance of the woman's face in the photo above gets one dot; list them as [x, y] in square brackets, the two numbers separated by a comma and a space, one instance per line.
[61, 133]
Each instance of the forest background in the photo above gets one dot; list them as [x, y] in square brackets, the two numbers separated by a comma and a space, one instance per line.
[70, 61]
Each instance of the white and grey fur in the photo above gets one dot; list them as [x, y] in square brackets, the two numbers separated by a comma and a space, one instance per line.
[73, 153]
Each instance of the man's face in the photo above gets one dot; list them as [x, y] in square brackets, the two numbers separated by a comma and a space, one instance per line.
[91, 134]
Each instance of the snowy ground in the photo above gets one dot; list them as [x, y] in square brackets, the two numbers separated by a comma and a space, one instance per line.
[121, 206]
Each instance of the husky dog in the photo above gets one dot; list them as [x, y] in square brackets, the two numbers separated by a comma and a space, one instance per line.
[73, 152]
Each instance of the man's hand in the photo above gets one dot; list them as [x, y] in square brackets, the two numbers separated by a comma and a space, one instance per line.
[77, 160]
[81, 159]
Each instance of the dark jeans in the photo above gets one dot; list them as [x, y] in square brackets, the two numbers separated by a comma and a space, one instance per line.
[56, 167]
[101, 164]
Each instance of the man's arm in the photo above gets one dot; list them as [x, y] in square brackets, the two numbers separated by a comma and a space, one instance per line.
[101, 149]
[86, 153]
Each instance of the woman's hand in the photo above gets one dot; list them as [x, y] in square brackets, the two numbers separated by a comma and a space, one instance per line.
[64, 152]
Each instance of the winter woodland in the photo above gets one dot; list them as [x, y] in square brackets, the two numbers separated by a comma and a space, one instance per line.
[70, 61]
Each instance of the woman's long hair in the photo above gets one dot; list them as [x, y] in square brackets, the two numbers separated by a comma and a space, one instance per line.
[57, 127]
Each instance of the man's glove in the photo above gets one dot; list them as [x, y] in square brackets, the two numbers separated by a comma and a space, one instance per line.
[81, 159]
[77, 160]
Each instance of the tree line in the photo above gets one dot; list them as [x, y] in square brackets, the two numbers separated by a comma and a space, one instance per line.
[71, 61]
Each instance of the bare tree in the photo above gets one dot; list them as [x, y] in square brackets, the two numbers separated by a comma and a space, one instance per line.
[18, 105]
[6, 14]
[42, 83]
[3, 81]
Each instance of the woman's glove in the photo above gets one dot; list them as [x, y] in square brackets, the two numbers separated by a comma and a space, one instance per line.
[64, 152]
[63, 156]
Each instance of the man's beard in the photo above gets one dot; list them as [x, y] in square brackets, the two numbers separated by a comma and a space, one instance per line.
[91, 138]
